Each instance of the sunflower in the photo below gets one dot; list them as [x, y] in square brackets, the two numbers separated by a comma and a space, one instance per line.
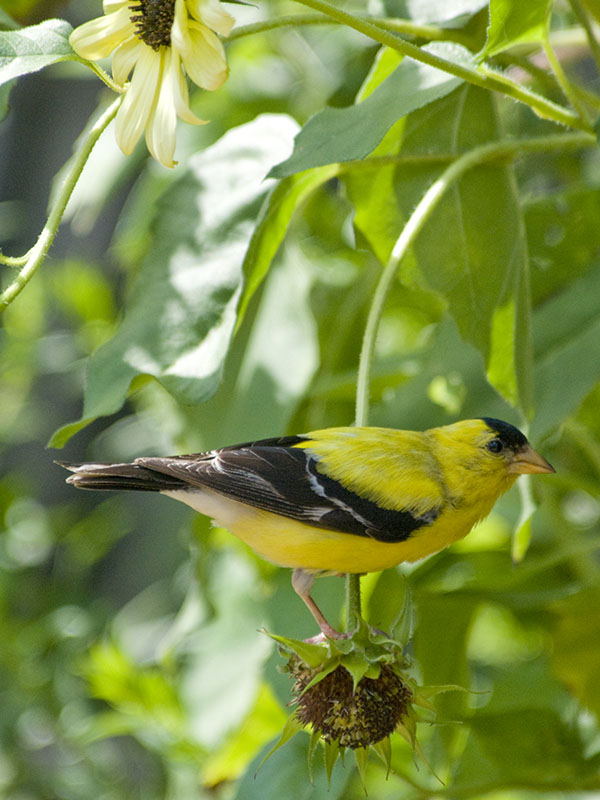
[157, 43]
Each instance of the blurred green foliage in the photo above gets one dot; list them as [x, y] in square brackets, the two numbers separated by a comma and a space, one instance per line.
[132, 663]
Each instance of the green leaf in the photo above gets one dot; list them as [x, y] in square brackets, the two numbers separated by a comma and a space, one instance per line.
[272, 225]
[5, 90]
[346, 134]
[593, 8]
[31, 49]
[267, 375]
[312, 654]
[566, 335]
[181, 313]
[390, 605]
[6, 21]
[440, 642]
[473, 249]
[331, 752]
[377, 214]
[451, 14]
[530, 746]
[562, 243]
[290, 729]
[358, 666]
[284, 775]
[514, 23]
[576, 649]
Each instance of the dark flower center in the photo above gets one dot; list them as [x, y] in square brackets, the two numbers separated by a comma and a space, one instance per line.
[153, 20]
[352, 716]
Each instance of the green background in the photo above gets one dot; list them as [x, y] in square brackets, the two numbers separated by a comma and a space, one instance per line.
[131, 661]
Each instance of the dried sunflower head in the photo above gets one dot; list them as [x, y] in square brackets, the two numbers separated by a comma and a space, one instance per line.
[351, 715]
[352, 694]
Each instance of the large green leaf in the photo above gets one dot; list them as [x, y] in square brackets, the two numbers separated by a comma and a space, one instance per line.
[274, 219]
[182, 309]
[345, 134]
[563, 236]
[527, 746]
[576, 651]
[31, 49]
[6, 21]
[473, 249]
[514, 22]
[567, 356]
[451, 13]
[269, 374]
[285, 774]
[377, 215]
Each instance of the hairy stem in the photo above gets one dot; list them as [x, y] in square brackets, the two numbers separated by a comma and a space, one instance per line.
[480, 155]
[353, 604]
[38, 252]
[429, 201]
[582, 16]
[569, 90]
[486, 80]
[402, 26]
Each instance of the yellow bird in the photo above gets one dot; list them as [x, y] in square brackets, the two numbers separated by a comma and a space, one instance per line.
[339, 500]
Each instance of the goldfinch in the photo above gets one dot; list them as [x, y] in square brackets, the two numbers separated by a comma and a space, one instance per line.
[339, 500]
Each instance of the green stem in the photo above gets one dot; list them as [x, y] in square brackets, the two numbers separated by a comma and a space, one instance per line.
[431, 198]
[14, 261]
[353, 605]
[486, 80]
[38, 252]
[582, 16]
[564, 83]
[401, 26]
[488, 152]
[104, 76]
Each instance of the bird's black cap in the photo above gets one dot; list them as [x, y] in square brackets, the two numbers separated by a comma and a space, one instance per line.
[510, 436]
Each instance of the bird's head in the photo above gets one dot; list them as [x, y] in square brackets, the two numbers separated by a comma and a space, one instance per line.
[491, 448]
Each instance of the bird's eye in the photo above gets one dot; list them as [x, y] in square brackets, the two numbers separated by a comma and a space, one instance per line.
[495, 446]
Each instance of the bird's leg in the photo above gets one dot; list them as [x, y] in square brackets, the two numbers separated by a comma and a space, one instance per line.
[302, 581]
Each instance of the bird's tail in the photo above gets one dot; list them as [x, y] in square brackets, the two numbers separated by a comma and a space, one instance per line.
[128, 477]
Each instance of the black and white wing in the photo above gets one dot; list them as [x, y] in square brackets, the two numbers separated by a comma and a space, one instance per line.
[277, 476]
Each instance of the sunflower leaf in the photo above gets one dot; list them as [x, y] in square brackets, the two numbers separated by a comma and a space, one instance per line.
[31, 49]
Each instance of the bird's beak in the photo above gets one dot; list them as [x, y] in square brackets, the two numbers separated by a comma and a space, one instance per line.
[526, 460]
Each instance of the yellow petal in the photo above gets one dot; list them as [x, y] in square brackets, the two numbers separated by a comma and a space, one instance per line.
[160, 128]
[179, 29]
[212, 14]
[138, 103]
[204, 58]
[113, 5]
[99, 37]
[125, 59]
[181, 96]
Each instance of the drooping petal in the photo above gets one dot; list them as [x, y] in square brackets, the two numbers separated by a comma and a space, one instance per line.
[162, 120]
[139, 99]
[99, 37]
[181, 95]
[204, 57]
[125, 58]
[113, 5]
[212, 14]
[179, 29]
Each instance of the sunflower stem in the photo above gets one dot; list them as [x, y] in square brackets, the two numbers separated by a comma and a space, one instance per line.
[569, 91]
[493, 151]
[486, 80]
[485, 153]
[35, 257]
[404, 27]
[582, 16]
[353, 604]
